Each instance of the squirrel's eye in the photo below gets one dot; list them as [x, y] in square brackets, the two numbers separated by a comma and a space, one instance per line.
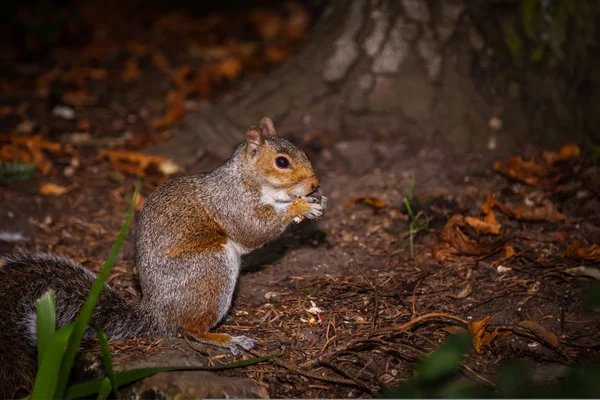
[282, 162]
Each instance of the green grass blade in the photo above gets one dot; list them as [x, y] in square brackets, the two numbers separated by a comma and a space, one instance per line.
[105, 388]
[48, 370]
[45, 322]
[89, 304]
[107, 360]
[127, 377]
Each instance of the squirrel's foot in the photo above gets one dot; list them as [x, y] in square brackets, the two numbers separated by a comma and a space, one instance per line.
[317, 207]
[244, 342]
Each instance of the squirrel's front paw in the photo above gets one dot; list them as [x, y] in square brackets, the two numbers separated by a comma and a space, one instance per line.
[317, 207]
[244, 342]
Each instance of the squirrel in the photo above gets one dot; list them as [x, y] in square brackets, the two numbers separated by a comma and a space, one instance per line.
[192, 232]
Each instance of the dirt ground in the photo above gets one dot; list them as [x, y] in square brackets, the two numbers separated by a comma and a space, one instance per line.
[333, 295]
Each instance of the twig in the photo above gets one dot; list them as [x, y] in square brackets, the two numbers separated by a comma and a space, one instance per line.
[374, 287]
[423, 317]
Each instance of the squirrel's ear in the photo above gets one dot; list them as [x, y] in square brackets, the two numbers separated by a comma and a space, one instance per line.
[253, 138]
[267, 127]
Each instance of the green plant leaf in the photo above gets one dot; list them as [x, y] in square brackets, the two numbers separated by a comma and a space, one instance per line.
[558, 31]
[516, 46]
[105, 388]
[444, 361]
[90, 302]
[538, 54]
[127, 377]
[591, 300]
[16, 171]
[106, 357]
[45, 322]
[46, 380]
[528, 9]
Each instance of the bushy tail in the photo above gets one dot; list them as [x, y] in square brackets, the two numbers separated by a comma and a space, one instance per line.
[26, 277]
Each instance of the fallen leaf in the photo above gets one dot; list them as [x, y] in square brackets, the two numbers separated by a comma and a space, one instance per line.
[159, 60]
[579, 250]
[484, 227]
[31, 149]
[467, 290]
[483, 338]
[529, 172]
[540, 332]
[131, 71]
[545, 212]
[566, 153]
[79, 97]
[584, 271]
[267, 23]
[477, 330]
[230, 68]
[138, 163]
[489, 204]
[453, 244]
[454, 329]
[276, 54]
[174, 112]
[371, 201]
[298, 21]
[52, 189]
[507, 252]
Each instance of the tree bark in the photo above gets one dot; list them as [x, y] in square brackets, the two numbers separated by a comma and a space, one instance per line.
[403, 66]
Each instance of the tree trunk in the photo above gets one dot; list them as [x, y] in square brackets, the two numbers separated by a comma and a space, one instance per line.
[403, 66]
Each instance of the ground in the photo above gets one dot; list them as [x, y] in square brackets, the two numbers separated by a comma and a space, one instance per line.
[333, 295]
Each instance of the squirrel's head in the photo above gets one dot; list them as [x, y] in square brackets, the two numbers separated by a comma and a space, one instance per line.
[280, 165]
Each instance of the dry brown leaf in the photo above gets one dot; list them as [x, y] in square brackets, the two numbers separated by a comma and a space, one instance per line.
[507, 252]
[298, 22]
[529, 172]
[175, 111]
[579, 250]
[453, 244]
[540, 332]
[489, 204]
[79, 97]
[370, 201]
[30, 149]
[545, 212]
[159, 60]
[477, 330]
[276, 54]
[267, 23]
[230, 68]
[138, 163]
[131, 71]
[566, 153]
[484, 227]
[52, 189]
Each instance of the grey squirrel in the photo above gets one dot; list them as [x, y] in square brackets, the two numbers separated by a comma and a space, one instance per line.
[191, 234]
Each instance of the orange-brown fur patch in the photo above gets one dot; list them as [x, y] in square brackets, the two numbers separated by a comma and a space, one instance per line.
[198, 233]
[218, 338]
[298, 172]
[200, 313]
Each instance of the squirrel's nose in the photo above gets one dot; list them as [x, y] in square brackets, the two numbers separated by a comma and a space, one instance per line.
[314, 186]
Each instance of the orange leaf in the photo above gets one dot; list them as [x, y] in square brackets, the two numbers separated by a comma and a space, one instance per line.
[578, 250]
[79, 97]
[477, 330]
[566, 153]
[371, 201]
[276, 55]
[298, 22]
[489, 203]
[52, 189]
[137, 163]
[453, 244]
[160, 60]
[131, 71]
[545, 212]
[484, 227]
[507, 252]
[230, 68]
[267, 23]
[528, 172]
[175, 111]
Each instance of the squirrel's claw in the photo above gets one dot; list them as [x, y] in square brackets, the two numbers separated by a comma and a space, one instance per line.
[318, 207]
[244, 342]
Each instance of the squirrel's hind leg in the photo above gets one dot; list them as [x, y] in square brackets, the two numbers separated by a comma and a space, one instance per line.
[222, 340]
